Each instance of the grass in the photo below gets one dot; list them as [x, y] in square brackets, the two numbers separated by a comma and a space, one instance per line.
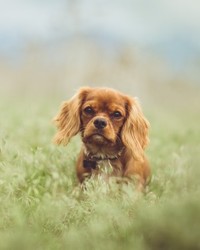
[43, 208]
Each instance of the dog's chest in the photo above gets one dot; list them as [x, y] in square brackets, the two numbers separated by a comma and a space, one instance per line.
[106, 168]
[103, 167]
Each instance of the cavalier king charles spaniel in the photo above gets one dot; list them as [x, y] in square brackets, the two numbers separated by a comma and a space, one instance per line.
[114, 133]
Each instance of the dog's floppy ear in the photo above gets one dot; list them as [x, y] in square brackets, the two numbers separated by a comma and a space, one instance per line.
[134, 133]
[68, 119]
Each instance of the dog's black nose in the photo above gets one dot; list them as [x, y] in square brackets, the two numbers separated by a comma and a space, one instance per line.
[100, 123]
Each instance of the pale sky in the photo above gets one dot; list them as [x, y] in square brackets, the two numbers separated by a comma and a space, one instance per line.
[144, 22]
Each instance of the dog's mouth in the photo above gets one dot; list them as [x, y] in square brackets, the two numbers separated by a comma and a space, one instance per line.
[97, 138]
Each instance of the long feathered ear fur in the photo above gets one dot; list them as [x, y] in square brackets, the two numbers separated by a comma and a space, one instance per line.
[135, 130]
[68, 119]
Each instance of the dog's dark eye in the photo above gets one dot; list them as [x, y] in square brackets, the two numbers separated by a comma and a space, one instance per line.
[117, 114]
[89, 111]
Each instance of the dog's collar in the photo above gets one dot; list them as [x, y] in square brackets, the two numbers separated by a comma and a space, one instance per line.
[92, 161]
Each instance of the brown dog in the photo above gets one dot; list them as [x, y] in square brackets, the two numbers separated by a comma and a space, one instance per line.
[114, 133]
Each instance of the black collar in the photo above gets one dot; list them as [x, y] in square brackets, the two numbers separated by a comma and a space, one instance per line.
[91, 161]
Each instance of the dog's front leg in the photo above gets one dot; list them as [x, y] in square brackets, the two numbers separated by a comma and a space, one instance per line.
[137, 171]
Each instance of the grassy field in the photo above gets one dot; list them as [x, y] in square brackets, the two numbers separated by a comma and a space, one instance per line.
[43, 208]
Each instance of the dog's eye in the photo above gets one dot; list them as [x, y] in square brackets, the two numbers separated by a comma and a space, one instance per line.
[89, 111]
[117, 114]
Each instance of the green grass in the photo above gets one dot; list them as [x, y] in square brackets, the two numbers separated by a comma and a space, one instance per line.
[42, 206]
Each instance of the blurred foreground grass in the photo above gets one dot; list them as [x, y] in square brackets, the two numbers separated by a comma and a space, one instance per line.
[42, 208]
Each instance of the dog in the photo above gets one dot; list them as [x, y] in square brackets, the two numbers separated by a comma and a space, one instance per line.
[114, 133]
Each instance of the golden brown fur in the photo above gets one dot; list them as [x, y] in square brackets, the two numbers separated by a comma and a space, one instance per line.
[114, 131]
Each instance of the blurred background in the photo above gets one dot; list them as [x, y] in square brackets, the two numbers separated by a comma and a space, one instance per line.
[149, 49]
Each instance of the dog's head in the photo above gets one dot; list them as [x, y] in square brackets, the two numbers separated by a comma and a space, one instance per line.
[106, 119]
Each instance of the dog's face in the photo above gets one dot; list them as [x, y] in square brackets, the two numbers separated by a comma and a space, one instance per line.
[106, 119]
[103, 113]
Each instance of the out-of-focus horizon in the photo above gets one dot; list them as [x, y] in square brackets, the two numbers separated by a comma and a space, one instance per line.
[135, 46]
